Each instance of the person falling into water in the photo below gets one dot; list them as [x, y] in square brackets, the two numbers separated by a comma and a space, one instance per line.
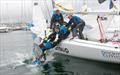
[60, 33]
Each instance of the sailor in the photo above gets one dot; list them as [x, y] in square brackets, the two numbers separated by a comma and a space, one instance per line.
[76, 24]
[56, 18]
[48, 42]
[58, 36]
[60, 33]
[45, 46]
[52, 38]
[51, 41]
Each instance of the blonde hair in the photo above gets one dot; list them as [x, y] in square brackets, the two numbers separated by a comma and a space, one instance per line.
[70, 15]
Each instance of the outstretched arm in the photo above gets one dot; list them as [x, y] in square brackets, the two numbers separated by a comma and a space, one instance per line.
[69, 23]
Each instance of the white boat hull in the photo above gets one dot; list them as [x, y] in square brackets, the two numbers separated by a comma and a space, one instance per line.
[89, 50]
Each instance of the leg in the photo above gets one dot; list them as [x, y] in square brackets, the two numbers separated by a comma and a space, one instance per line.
[66, 35]
[43, 54]
[52, 37]
[74, 32]
[81, 27]
[57, 42]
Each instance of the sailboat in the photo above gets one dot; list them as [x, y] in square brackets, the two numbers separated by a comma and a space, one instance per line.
[95, 47]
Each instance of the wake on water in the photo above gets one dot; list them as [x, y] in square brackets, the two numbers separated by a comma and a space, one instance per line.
[16, 61]
[21, 60]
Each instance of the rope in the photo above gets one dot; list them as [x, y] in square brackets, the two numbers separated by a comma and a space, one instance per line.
[63, 8]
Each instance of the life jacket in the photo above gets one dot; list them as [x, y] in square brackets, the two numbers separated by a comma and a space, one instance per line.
[48, 45]
[63, 29]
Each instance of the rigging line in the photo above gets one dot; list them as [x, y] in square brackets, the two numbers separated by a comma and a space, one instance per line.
[49, 14]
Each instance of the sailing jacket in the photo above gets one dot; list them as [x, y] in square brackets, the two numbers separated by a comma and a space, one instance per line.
[56, 18]
[74, 20]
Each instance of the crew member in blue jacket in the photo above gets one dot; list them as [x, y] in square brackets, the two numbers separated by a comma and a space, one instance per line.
[50, 42]
[60, 33]
[77, 25]
[56, 18]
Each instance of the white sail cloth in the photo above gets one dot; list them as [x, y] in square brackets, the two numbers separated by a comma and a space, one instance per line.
[39, 22]
[42, 12]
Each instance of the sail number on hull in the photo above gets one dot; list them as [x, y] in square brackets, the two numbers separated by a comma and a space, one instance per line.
[111, 54]
[65, 50]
